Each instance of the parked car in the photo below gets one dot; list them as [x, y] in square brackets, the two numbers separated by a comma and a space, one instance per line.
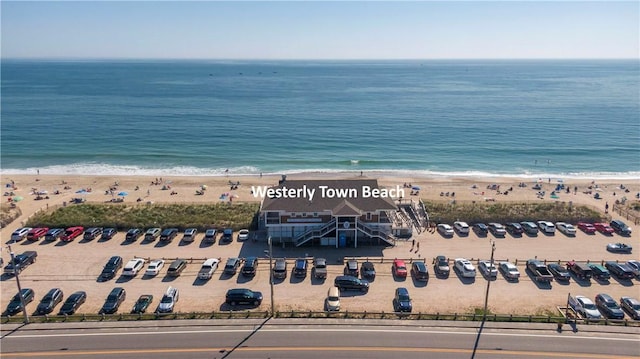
[280, 268]
[566, 228]
[92, 233]
[351, 268]
[154, 267]
[49, 301]
[332, 303]
[465, 268]
[546, 227]
[111, 268]
[37, 233]
[620, 270]
[635, 266]
[320, 268]
[15, 305]
[189, 234]
[509, 271]
[108, 233]
[529, 228]
[73, 302]
[419, 271]
[168, 301]
[488, 270]
[250, 267]
[599, 271]
[208, 268]
[71, 233]
[20, 262]
[141, 305]
[210, 235]
[113, 301]
[441, 266]
[514, 228]
[133, 234]
[239, 296]
[176, 267]
[585, 307]
[620, 227]
[132, 267]
[227, 235]
[481, 229]
[399, 269]
[580, 270]
[539, 271]
[152, 234]
[461, 227]
[559, 272]
[167, 234]
[300, 268]
[347, 282]
[631, 306]
[497, 229]
[402, 300]
[604, 228]
[232, 266]
[445, 230]
[609, 307]
[586, 227]
[243, 235]
[54, 234]
[20, 234]
[368, 270]
[619, 248]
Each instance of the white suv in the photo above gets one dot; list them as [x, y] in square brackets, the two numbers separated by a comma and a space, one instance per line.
[168, 300]
[20, 234]
[461, 227]
[547, 227]
[465, 268]
[133, 267]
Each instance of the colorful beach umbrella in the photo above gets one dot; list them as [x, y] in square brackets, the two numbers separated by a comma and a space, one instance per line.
[123, 193]
[18, 198]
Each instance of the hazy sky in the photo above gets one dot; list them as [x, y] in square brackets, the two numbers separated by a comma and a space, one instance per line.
[320, 30]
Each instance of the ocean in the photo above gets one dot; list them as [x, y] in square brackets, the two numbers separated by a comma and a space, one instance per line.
[531, 118]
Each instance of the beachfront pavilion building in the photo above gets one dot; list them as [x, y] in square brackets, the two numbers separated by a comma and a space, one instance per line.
[340, 213]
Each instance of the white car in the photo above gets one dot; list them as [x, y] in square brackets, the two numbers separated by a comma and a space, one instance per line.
[547, 227]
[566, 228]
[133, 267]
[461, 227]
[243, 235]
[445, 229]
[465, 268]
[585, 307]
[208, 267]
[510, 271]
[488, 270]
[20, 234]
[154, 267]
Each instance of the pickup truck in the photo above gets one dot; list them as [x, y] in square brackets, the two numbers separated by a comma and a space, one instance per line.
[539, 270]
[20, 262]
[320, 268]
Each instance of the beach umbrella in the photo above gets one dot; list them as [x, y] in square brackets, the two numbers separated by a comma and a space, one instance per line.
[123, 193]
[82, 191]
[18, 198]
[415, 188]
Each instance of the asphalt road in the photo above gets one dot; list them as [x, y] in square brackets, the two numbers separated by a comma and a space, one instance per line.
[314, 339]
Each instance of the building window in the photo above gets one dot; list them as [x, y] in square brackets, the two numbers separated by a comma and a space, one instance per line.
[293, 214]
[315, 214]
[304, 214]
[369, 216]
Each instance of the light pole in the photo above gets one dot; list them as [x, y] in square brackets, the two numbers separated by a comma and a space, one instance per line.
[15, 273]
[271, 274]
[486, 302]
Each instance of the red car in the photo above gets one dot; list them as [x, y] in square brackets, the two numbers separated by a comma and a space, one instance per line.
[586, 227]
[37, 233]
[399, 269]
[71, 233]
[603, 228]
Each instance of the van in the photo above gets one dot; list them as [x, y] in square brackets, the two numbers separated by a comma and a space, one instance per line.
[333, 299]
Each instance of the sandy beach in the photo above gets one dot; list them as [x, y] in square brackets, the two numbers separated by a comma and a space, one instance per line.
[76, 265]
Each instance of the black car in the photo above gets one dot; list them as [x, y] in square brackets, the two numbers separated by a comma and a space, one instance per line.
[368, 270]
[620, 227]
[419, 271]
[227, 235]
[631, 306]
[111, 268]
[168, 234]
[620, 270]
[108, 233]
[176, 267]
[300, 268]
[92, 233]
[15, 305]
[73, 302]
[529, 228]
[481, 229]
[559, 272]
[402, 301]
[609, 307]
[114, 299]
[250, 266]
[351, 268]
[232, 265]
[133, 234]
[53, 234]
[49, 301]
[243, 296]
[141, 305]
[514, 228]
[347, 282]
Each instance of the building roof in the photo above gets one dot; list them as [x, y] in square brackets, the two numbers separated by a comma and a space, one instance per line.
[354, 203]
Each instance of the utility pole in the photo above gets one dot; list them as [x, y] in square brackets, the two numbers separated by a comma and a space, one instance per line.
[271, 274]
[486, 303]
[15, 273]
